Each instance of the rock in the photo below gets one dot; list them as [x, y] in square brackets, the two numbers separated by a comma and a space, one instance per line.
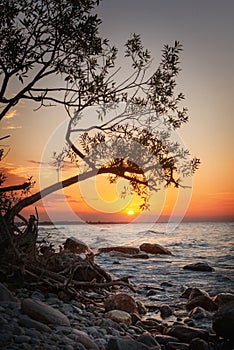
[223, 298]
[115, 343]
[121, 301]
[148, 340]
[177, 346]
[121, 249]
[153, 248]
[223, 321]
[165, 311]
[44, 313]
[5, 295]
[131, 256]
[119, 316]
[199, 344]
[202, 301]
[195, 292]
[141, 307]
[76, 246]
[29, 323]
[198, 313]
[165, 339]
[200, 266]
[186, 334]
[84, 339]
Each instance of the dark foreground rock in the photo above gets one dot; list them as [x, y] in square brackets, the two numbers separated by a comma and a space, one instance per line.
[128, 344]
[223, 321]
[186, 334]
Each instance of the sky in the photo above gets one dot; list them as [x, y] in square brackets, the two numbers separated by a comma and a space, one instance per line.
[205, 29]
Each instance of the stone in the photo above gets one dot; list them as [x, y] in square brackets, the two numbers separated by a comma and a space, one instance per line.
[186, 334]
[148, 340]
[202, 301]
[165, 311]
[44, 313]
[223, 321]
[125, 343]
[119, 316]
[84, 339]
[5, 295]
[195, 292]
[141, 307]
[165, 339]
[177, 346]
[29, 323]
[121, 249]
[198, 313]
[76, 246]
[121, 301]
[200, 266]
[223, 298]
[131, 256]
[153, 248]
[199, 344]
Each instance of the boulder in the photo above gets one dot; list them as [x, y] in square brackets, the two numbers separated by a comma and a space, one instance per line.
[200, 266]
[195, 292]
[198, 313]
[27, 322]
[223, 321]
[223, 298]
[199, 344]
[44, 313]
[165, 311]
[203, 301]
[121, 301]
[121, 249]
[76, 246]
[148, 340]
[5, 295]
[177, 346]
[153, 248]
[84, 339]
[119, 316]
[186, 334]
[125, 343]
[165, 339]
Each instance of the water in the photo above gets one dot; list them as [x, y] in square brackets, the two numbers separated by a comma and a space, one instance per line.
[189, 243]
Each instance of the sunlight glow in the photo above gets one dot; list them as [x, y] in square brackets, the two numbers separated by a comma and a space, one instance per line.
[130, 212]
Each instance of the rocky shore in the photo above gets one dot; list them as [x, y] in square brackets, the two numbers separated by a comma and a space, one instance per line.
[115, 318]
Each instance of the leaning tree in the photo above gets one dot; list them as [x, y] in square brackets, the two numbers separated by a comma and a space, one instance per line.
[54, 54]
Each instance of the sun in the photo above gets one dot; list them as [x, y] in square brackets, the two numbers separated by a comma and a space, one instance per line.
[130, 212]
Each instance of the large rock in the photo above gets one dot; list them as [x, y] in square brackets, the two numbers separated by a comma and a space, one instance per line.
[121, 249]
[177, 346]
[119, 316]
[199, 313]
[153, 248]
[115, 343]
[200, 266]
[203, 301]
[76, 246]
[223, 321]
[223, 298]
[199, 344]
[148, 340]
[5, 295]
[165, 311]
[27, 322]
[121, 301]
[84, 339]
[195, 292]
[42, 312]
[186, 334]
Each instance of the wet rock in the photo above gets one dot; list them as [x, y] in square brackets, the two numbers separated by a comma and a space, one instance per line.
[195, 292]
[186, 334]
[76, 246]
[119, 316]
[29, 323]
[141, 307]
[198, 313]
[223, 321]
[5, 295]
[165, 311]
[202, 301]
[223, 298]
[148, 340]
[44, 313]
[200, 266]
[127, 344]
[153, 248]
[199, 344]
[177, 346]
[165, 339]
[121, 301]
[84, 339]
[121, 249]
[130, 256]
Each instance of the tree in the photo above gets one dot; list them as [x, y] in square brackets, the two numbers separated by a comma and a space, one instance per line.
[44, 39]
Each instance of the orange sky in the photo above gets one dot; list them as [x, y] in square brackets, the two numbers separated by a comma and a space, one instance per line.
[207, 79]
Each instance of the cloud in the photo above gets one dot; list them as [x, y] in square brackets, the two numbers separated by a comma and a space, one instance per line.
[11, 114]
